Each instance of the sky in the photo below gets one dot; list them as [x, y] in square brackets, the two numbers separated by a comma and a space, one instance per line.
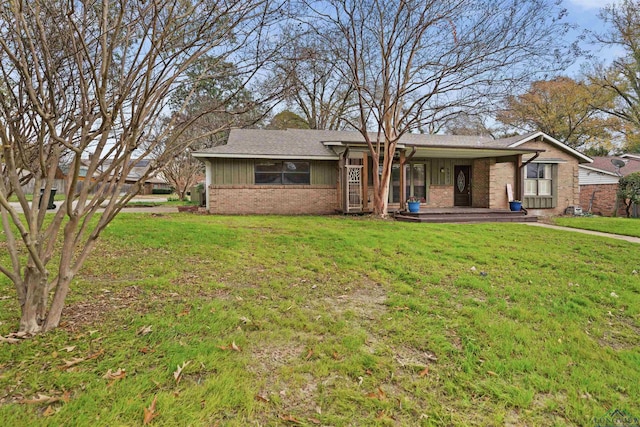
[584, 14]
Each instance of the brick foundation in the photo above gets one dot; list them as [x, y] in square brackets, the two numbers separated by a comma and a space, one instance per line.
[273, 199]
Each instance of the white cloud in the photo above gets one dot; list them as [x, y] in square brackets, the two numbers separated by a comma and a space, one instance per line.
[592, 4]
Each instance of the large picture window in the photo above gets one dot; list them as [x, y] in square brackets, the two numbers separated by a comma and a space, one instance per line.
[282, 173]
[538, 180]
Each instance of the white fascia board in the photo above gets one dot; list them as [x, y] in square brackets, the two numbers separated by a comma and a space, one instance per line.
[630, 156]
[553, 141]
[604, 172]
[261, 156]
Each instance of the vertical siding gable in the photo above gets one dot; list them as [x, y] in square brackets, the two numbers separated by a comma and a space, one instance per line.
[241, 172]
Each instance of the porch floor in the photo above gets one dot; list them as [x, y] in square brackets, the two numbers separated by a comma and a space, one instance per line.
[464, 214]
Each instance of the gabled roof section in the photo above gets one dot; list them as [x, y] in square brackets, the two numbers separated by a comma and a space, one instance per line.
[516, 141]
[601, 171]
[603, 164]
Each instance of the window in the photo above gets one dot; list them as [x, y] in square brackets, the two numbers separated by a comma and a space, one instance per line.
[538, 180]
[279, 173]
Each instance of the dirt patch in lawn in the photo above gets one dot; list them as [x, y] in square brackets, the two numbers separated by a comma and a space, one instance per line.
[94, 310]
[622, 334]
[367, 302]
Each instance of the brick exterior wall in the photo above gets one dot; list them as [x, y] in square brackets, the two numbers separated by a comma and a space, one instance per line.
[604, 203]
[440, 196]
[501, 174]
[480, 183]
[273, 199]
[568, 189]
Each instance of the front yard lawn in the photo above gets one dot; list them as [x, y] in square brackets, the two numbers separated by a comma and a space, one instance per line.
[333, 321]
[624, 226]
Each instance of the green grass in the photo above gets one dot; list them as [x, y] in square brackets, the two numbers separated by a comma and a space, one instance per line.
[624, 226]
[340, 321]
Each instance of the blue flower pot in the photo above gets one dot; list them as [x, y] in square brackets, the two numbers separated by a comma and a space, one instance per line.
[515, 206]
[414, 206]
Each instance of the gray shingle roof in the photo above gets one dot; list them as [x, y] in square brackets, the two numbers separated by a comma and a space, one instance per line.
[276, 143]
[306, 143]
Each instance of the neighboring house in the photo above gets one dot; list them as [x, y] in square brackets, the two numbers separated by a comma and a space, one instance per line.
[599, 183]
[137, 171]
[299, 171]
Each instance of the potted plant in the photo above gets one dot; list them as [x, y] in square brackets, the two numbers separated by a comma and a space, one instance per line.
[515, 205]
[414, 204]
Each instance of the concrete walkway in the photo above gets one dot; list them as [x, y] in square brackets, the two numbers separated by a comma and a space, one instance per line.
[580, 230]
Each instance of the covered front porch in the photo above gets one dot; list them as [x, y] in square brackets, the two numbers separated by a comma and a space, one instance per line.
[441, 178]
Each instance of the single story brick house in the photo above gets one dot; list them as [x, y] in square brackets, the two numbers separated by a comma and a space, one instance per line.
[298, 171]
[599, 183]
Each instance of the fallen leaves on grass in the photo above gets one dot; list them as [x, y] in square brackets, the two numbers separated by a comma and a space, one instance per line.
[48, 412]
[14, 337]
[150, 413]
[114, 376]
[424, 372]
[378, 394]
[145, 330]
[68, 349]
[43, 399]
[262, 398]
[9, 340]
[309, 354]
[290, 419]
[185, 312]
[177, 375]
[233, 346]
[76, 360]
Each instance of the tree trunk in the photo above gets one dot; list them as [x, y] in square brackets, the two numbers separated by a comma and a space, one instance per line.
[55, 311]
[34, 307]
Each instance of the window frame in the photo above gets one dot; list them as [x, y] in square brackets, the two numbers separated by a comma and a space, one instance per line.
[543, 174]
[282, 175]
[546, 173]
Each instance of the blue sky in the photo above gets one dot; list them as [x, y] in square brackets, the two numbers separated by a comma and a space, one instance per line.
[584, 13]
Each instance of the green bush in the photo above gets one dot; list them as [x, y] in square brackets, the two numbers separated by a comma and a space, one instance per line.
[629, 190]
[162, 191]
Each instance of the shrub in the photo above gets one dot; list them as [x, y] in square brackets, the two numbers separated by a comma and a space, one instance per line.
[162, 191]
[629, 190]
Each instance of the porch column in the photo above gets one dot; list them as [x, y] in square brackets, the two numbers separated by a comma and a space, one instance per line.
[365, 180]
[342, 183]
[519, 179]
[402, 177]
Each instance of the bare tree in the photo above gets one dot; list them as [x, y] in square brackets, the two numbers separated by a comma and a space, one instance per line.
[413, 63]
[212, 96]
[622, 77]
[86, 77]
[307, 68]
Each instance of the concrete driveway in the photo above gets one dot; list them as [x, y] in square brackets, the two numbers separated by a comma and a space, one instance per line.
[133, 209]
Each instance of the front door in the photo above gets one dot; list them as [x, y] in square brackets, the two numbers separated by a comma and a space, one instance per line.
[462, 185]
